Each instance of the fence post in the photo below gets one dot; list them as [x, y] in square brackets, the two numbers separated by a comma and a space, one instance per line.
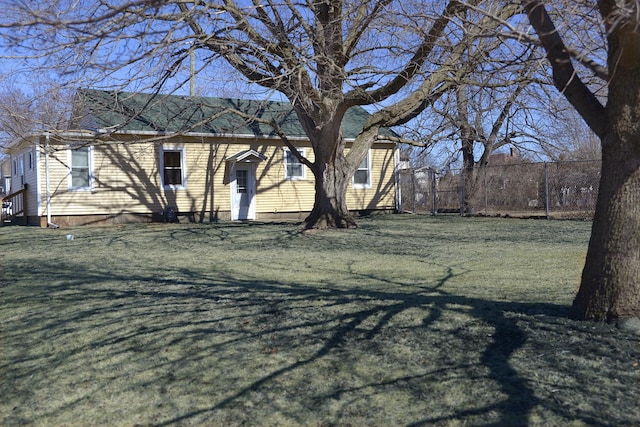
[434, 189]
[486, 192]
[462, 183]
[413, 191]
[546, 189]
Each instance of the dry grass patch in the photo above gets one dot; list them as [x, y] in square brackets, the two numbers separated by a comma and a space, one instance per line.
[408, 320]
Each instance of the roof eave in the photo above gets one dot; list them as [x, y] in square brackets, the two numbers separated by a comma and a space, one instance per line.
[104, 132]
[212, 135]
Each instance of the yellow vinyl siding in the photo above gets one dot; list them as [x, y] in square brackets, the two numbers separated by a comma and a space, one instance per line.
[124, 180]
[381, 193]
[275, 194]
[127, 179]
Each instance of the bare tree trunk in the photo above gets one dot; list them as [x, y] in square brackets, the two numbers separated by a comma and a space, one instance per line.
[332, 172]
[330, 204]
[610, 287]
[467, 149]
[469, 181]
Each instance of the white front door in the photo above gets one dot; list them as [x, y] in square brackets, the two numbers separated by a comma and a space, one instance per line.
[243, 192]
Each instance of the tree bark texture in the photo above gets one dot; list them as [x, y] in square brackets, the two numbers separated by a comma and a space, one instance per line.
[330, 205]
[610, 284]
[332, 172]
[467, 140]
[610, 287]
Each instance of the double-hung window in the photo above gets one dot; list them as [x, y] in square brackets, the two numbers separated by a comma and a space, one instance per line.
[80, 165]
[362, 177]
[18, 169]
[172, 167]
[293, 168]
[22, 170]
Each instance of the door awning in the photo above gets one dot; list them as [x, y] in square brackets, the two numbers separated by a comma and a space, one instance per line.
[247, 156]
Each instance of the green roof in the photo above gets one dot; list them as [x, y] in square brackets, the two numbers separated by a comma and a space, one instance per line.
[143, 112]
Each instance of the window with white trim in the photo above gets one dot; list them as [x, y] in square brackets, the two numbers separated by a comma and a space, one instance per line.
[362, 177]
[21, 170]
[18, 169]
[80, 165]
[172, 167]
[293, 168]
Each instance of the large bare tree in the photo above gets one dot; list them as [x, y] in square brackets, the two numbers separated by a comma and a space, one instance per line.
[610, 287]
[46, 106]
[324, 56]
[488, 111]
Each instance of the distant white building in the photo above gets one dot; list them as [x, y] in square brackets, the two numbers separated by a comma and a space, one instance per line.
[5, 176]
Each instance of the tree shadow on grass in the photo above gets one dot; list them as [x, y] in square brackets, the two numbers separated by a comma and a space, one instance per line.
[135, 316]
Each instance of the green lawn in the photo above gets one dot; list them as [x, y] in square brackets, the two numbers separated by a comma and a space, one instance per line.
[407, 321]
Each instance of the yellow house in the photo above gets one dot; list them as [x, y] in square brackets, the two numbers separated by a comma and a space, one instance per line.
[144, 157]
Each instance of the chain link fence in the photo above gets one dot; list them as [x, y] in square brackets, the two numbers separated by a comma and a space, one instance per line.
[557, 189]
